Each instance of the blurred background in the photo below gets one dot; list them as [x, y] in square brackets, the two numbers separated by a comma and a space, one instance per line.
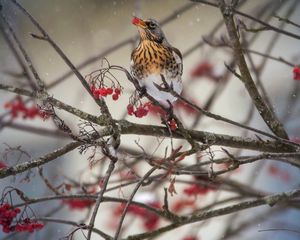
[89, 30]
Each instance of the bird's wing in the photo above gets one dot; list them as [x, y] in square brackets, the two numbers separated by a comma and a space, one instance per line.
[177, 52]
[178, 58]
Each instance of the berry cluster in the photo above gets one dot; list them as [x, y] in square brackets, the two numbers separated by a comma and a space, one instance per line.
[150, 220]
[296, 72]
[281, 174]
[182, 204]
[27, 225]
[196, 189]
[78, 204]
[156, 110]
[186, 108]
[7, 217]
[18, 108]
[141, 111]
[207, 70]
[105, 91]
[202, 69]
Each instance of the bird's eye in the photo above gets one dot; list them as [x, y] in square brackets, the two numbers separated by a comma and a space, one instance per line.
[152, 25]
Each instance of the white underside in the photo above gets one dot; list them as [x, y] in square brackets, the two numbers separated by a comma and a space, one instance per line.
[159, 95]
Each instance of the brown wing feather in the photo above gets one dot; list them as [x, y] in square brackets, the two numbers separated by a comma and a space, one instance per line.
[177, 52]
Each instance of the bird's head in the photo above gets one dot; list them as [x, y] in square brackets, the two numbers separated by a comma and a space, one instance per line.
[149, 29]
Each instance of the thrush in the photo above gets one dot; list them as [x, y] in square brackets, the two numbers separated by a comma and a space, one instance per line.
[155, 60]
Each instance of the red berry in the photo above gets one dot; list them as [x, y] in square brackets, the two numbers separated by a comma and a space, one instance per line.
[6, 229]
[27, 220]
[96, 93]
[19, 105]
[102, 92]
[172, 124]
[135, 21]
[141, 112]
[296, 72]
[118, 91]
[17, 210]
[92, 87]
[6, 206]
[30, 228]
[18, 228]
[109, 91]
[115, 97]
[130, 109]
[32, 112]
[39, 225]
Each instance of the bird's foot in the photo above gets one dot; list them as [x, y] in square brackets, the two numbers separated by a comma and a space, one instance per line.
[168, 87]
[169, 119]
[170, 112]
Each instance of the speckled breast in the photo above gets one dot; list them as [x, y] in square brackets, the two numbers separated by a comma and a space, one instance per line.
[153, 58]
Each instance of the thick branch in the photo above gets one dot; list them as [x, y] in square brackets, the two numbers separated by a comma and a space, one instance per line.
[127, 127]
[270, 200]
[208, 137]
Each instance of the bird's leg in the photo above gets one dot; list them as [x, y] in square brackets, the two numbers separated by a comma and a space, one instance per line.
[171, 87]
[165, 87]
[170, 112]
[168, 87]
[160, 88]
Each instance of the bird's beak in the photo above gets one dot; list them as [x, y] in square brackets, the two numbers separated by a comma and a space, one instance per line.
[138, 22]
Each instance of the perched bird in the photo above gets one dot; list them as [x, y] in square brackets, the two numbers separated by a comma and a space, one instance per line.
[153, 58]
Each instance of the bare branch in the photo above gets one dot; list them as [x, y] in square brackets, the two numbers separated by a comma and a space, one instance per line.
[22, 167]
[253, 19]
[270, 200]
[269, 117]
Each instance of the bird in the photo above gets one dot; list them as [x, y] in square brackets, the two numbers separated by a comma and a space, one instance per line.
[155, 61]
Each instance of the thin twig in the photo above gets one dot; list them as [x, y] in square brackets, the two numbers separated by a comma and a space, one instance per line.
[81, 226]
[100, 196]
[40, 83]
[288, 21]
[45, 36]
[137, 186]
[292, 35]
